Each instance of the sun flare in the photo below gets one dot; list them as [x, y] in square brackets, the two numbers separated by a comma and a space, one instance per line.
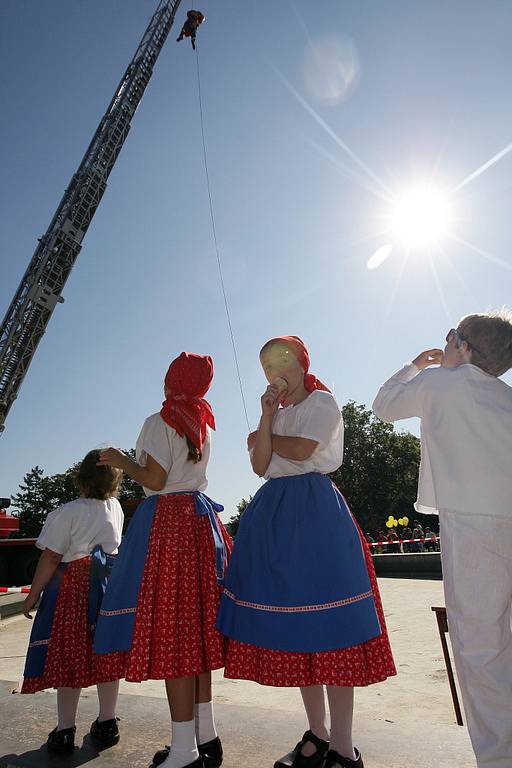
[420, 216]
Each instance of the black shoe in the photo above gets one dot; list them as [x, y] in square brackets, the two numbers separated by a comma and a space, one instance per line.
[334, 759]
[163, 754]
[160, 756]
[105, 733]
[210, 752]
[61, 742]
[295, 758]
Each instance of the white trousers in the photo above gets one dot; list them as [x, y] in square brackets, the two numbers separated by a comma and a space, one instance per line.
[476, 553]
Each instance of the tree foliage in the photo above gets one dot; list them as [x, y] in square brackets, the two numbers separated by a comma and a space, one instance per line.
[379, 474]
[234, 520]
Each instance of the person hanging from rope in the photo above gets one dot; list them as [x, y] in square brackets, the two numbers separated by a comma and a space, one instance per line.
[189, 29]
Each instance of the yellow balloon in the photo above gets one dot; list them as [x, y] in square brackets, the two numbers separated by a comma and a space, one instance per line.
[395, 523]
[389, 524]
[406, 520]
[400, 521]
[390, 517]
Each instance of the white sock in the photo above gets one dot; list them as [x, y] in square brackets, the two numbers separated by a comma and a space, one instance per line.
[107, 696]
[341, 706]
[205, 723]
[67, 705]
[183, 745]
[314, 704]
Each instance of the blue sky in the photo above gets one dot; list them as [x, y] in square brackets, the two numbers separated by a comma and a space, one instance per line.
[419, 92]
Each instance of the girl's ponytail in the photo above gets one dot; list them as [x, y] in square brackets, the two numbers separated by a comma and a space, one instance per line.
[194, 454]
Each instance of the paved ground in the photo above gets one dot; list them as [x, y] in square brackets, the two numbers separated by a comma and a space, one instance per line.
[406, 721]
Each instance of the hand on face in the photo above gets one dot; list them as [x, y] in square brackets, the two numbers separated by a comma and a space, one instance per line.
[429, 357]
[270, 400]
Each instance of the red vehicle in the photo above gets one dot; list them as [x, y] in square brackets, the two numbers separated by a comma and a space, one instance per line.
[18, 557]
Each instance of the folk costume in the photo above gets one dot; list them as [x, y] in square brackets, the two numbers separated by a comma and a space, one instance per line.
[87, 532]
[160, 607]
[301, 605]
[465, 477]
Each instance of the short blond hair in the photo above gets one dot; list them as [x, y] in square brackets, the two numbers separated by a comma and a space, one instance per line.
[489, 336]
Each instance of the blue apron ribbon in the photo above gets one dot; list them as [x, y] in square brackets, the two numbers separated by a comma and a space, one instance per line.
[206, 506]
[101, 566]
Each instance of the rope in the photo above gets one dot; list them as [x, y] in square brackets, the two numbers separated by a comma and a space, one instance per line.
[217, 251]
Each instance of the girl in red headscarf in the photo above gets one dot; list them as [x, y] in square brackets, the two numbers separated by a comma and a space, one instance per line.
[160, 609]
[300, 604]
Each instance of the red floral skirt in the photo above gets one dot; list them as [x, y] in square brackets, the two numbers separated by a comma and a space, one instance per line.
[359, 665]
[174, 632]
[70, 662]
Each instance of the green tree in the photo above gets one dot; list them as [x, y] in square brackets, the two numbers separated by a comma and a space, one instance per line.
[234, 520]
[379, 474]
[34, 501]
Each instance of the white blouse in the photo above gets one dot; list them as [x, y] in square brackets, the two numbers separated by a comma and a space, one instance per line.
[168, 449]
[318, 418]
[74, 529]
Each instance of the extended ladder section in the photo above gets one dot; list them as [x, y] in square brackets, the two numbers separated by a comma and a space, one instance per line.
[41, 287]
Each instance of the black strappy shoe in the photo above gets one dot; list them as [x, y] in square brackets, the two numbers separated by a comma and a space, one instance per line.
[334, 759]
[105, 733]
[295, 758]
[61, 742]
[210, 752]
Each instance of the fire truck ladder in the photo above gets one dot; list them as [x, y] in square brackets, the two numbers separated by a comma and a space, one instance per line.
[40, 289]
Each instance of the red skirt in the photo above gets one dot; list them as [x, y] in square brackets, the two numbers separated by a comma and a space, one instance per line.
[174, 632]
[70, 662]
[359, 665]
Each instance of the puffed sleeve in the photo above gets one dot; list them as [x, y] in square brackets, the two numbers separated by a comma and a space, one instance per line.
[321, 419]
[155, 440]
[56, 532]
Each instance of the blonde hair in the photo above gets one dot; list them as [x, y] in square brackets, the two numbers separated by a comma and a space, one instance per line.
[489, 336]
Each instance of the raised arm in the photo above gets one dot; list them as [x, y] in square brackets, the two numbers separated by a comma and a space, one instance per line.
[151, 476]
[400, 397]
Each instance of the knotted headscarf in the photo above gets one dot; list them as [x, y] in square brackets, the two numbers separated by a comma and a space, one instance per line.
[301, 353]
[184, 408]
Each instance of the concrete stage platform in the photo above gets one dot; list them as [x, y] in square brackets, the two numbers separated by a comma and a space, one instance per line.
[406, 721]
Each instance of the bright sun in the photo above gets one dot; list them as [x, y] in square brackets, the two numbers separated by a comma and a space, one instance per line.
[420, 216]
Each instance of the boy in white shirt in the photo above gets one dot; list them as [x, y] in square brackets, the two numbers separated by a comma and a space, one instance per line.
[466, 477]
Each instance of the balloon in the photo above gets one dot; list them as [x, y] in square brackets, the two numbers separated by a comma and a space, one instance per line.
[390, 517]
[406, 520]
[395, 523]
[400, 521]
[389, 524]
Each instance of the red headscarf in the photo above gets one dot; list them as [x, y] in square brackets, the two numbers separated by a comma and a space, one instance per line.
[187, 380]
[299, 349]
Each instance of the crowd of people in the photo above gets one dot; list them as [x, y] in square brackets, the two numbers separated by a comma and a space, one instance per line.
[295, 602]
[415, 539]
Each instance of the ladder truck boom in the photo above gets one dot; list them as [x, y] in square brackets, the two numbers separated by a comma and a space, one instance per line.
[40, 289]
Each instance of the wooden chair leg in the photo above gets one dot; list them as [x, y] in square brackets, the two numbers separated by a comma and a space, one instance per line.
[443, 628]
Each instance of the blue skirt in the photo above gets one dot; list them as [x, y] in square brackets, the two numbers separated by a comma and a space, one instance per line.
[297, 579]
